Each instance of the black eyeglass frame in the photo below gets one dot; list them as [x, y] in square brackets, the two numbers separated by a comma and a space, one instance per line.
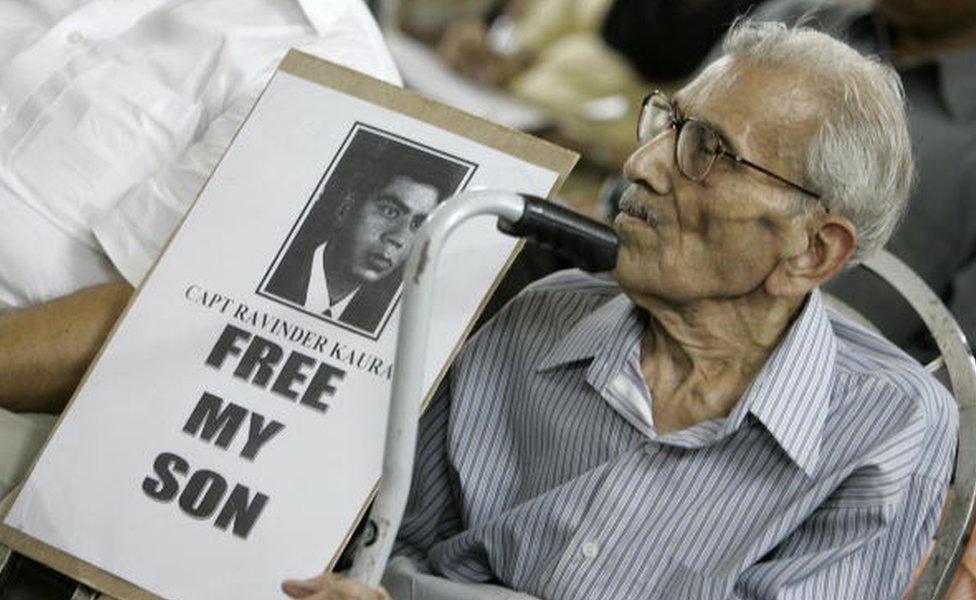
[678, 124]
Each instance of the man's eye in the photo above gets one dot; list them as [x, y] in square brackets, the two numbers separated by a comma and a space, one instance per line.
[389, 211]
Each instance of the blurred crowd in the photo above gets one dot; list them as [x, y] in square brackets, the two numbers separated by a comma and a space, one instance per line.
[588, 63]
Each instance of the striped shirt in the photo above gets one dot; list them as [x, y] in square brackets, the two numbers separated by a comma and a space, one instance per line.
[538, 465]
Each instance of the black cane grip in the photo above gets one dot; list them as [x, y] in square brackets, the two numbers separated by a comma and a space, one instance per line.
[588, 244]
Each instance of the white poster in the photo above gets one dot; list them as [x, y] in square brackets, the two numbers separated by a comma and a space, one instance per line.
[229, 434]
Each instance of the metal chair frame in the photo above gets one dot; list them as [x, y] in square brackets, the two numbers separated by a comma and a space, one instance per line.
[957, 358]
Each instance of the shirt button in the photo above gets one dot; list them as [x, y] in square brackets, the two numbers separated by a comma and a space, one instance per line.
[590, 549]
[650, 449]
[76, 37]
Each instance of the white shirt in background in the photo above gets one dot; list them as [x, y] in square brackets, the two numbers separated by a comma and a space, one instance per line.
[114, 112]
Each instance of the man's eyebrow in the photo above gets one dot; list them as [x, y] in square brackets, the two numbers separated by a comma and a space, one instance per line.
[727, 141]
[388, 197]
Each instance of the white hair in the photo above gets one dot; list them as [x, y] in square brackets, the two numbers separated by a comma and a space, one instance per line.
[860, 160]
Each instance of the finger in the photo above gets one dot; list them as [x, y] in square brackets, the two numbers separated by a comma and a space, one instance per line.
[296, 589]
[350, 589]
[303, 588]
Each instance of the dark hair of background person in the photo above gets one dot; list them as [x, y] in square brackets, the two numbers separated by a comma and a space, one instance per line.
[667, 40]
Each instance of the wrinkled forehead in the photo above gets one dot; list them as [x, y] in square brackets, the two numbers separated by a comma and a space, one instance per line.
[761, 110]
[413, 195]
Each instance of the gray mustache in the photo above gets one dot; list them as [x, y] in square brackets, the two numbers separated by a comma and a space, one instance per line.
[631, 206]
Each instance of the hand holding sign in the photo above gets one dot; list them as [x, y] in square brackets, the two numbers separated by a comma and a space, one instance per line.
[329, 586]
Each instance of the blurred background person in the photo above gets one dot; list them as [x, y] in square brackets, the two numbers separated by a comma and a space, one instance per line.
[667, 40]
[550, 54]
[588, 62]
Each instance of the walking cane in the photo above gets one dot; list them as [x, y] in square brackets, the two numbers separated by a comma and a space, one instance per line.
[587, 244]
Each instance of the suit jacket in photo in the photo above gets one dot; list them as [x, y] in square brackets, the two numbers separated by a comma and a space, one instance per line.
[367, 308]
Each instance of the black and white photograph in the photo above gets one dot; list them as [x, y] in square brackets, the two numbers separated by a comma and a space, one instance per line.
[343, 261]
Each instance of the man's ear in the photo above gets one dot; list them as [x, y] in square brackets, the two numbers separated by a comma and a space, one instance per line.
[831, 241]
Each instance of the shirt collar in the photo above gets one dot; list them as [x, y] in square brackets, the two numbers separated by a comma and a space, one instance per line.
[605, 335]
[790, 395]
[317, 298]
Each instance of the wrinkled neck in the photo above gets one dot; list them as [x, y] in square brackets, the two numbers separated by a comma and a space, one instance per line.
[698, 358]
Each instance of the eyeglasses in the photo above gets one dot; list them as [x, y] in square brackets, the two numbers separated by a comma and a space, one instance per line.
[697, 145]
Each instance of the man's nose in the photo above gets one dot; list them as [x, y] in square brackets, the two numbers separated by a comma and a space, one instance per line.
[653, 164]
[397, 236]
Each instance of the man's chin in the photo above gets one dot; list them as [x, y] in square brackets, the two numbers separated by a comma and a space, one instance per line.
[368, 275]
[641, 283]
[629, 281]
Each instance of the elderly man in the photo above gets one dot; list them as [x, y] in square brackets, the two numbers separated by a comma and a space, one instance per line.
[704, 427]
